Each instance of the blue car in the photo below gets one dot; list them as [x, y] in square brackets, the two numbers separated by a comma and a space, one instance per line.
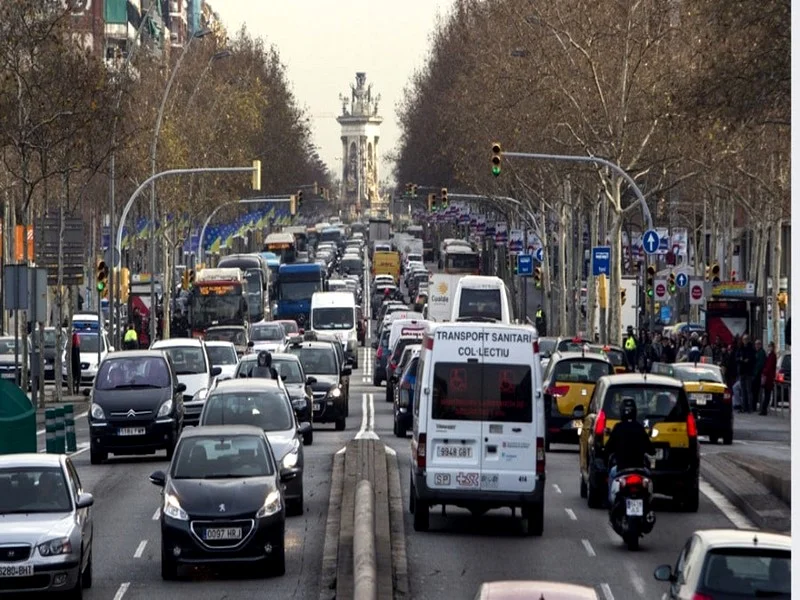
[404, 398]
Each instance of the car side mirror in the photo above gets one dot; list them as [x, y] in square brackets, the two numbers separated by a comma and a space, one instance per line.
[375, 345]
[216, 371]
[579, 412]
[87, 392]
[181, 387]
[84, 500]
[158, 478]
[304, 428]
[663, 573]
[311, 380]
[250, 344]
[347, 371]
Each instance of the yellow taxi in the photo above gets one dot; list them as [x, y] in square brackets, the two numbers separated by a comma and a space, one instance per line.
[615, 354]
[663, 408]
[710, 399]
[568, 383]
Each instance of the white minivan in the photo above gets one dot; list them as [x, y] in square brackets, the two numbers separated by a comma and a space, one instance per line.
[478, 425]
[482, 298]
[335, 313]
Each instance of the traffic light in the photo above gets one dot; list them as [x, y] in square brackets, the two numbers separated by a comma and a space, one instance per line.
[715, 272]
[623, 296]
[124, 284]
[444, 197]
[414, 190]
[256, 183]
[496, 155]
[316, 189]
[651, 273]
[432, 203]
[293, 205]
[299, 199]
[672, 286]
[102, 277]
[537, 277]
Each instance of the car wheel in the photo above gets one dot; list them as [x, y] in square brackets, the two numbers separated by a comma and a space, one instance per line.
[534, 516]
[727, 438]
[421, 516]
[412, 497]
[691, 502]
[355, 365]
[389, 394]
[340, 424]
[86, 576]
[278, 560]
[171, 448]
[169, 566]
[594, 495]
[294, 508]
[376, 381]
[96, 456]
[584, 491]
[308, 438]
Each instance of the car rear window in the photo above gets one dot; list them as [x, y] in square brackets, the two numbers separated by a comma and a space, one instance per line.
[482, 392]
[705, 374]
[581, 370]
[480, 303]
[656, 403]
[546, 347]
[748, 572]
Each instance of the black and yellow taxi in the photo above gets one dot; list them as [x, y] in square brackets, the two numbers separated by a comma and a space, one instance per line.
[710, 399]
[615, 354]
[663, 408]
[568, 382]
[550, 345]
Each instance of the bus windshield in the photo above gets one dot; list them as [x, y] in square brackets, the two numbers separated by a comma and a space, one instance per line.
[255, 294]
[298, 290]
[467, 262]
[217, 307]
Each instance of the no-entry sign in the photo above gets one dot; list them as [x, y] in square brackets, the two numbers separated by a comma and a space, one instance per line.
[661, 289]
[697, 292]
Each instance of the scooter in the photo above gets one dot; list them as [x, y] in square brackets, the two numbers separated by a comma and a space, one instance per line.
[630, 512]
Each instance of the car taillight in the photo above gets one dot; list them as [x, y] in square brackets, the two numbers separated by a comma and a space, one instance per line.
[633, 480]
[699, 596]
[557, 390]
[600, 424]
[379, 354]
[540, 456]
[691, 426]
[536, 347]
[726, 396]
[421, 444]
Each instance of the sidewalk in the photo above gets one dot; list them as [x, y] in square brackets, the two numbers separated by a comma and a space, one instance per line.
[80, 404]
[769, 428]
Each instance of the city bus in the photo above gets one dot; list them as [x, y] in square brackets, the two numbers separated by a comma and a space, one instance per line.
[460, 260]
[300, 237]
[283, 245]
[218, 297]
[258, 279]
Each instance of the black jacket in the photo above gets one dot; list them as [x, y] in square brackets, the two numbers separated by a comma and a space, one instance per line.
[629, 443]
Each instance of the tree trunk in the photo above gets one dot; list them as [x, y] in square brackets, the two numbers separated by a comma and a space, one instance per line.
[761, 254]
[777, 248]
[561, 276]
[730, 245]
[615, 283]
[591, 282]
[59, 303]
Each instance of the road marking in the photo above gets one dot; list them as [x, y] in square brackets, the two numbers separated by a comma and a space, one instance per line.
[636, 579]
[80, 416]
[367, 418]
[556, 488]
[571, 514]
[123, 587]
[82, 447]
[157, 514]
[342, 450]
[733, 514]
[140, 549]
[588, 546]
[607, 591]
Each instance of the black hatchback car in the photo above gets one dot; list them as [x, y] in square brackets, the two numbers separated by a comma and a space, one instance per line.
[222, 502]
[136, 405]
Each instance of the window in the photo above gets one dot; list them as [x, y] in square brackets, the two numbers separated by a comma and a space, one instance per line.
[34, 490]
[748, 572]
[476, 392]
[289, 327]
[289, 370]
[581, 370]
[131, 373]
[400, 347]
[293, 291]
[235, 335]
[268, 410]
[418, 385]
[221, 355]
[187, 360]
[89, 342]
[267, 333]
[333, 318]
[317, 361]
[704, 374]
[652, 402]
[7, 346]
[546, 347]
[480, 303]
[73, 475]
[222, 458]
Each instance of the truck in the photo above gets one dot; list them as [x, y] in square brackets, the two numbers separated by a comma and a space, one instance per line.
[218, 297]
[297, 284]
[441, 292]
[386, 263]
[379, 229]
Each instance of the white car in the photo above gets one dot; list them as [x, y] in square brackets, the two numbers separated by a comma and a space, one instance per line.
[267, 335]
[223, 355]
[89, 363]
[191, 363]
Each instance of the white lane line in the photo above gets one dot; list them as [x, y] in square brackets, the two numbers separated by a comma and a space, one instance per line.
[140, 549]
[372, 413]
[606, 591]
[636, 580]
[588, 547]
[157, 514]
[123, 587]
[367, 418]
[571, 514]
[733, 514]
[342, 450]
[80, 416]
[556, 488]
[82, 447]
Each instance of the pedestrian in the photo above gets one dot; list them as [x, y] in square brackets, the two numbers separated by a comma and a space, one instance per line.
[541, 321]
[768, 378]
[745, 359]
[75, 356]
[760, 359]
[737, 396]
[131, 339]
[630, 350]
[731, 368]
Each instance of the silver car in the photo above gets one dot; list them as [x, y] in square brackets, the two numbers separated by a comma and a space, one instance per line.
[45, 526]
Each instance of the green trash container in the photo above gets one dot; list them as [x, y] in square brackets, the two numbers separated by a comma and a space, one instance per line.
[17, 420]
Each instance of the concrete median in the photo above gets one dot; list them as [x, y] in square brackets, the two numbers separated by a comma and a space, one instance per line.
[365, 566]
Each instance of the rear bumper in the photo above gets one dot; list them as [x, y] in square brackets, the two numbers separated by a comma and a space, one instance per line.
[666, 482]
[560, 430]
[329, 411]
[483, 498]
[158, 435]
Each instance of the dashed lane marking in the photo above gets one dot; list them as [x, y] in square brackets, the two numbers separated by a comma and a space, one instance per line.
[606, 589]
[571, 514]
[123, 587]
[157, 514]
[140, 549]
[556, 488]
[588, 547]
[366, 431]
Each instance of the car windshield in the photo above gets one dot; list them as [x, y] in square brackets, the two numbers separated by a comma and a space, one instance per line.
[652, 402]
[33, 490]
[222, 458]
[7, 346]
[298, 290]
[133, 372]
[88, 341]
[352, 265]
[267, 333]
[704, 374]
[49, 338]
[289, 327]
[221, 355]
[316, 361]
[187, 360]
[333, 318]
[288, 370]
[268, 410]
[581, 370]
[480, 303]
[748, 573]
[228, 334]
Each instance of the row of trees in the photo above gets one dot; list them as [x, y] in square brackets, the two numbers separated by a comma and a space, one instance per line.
[64, 111]
[690, 97]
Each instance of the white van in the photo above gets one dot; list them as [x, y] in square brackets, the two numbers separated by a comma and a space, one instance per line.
[479, 428]
[481, 298]
[406, 327]
[335, 312]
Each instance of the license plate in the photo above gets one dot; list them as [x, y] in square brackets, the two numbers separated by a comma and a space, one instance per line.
[701, 399]
[659, 454]
[577, 424]
[16, 571]
[129, 431]
[454, 451]
[317, 405]
[634, 507]
[224, 533]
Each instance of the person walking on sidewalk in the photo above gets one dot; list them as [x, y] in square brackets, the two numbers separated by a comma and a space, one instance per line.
[75, 356]
[768, 378]
[760, 359]
[746, 359]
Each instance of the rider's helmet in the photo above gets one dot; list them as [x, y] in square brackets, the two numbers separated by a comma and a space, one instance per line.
[628, 409]
[263, 359]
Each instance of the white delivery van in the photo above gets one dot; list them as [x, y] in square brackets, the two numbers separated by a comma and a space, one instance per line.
[335, 313]
[441, 292]
[478, 428]
[406, 327]
[482, 298]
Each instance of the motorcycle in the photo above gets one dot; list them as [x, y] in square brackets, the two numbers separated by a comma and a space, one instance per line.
[630, 513]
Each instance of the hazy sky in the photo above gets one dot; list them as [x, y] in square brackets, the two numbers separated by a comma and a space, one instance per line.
[324, 42]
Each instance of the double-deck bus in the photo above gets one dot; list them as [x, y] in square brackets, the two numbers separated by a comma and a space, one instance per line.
[283, 245]
[218, 297]
[460, 260]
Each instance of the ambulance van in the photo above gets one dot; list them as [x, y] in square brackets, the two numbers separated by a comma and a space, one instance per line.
[482, 298]
[478, 424]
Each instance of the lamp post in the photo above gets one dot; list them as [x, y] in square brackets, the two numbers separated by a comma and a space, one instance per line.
[214, 58]
[153, 148]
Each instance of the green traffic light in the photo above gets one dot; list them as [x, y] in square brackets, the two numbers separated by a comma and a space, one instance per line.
[100, 286]
[496, 171]
[672, 288]
[650, 292]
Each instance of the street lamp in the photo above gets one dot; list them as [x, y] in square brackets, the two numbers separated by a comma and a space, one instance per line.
[214, 58]
[153, 147]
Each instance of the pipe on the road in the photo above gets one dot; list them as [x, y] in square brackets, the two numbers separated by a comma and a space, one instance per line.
[365, 564]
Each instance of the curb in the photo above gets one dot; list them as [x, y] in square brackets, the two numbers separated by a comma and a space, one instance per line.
[400, 581]
[365, 563]
[330, 553]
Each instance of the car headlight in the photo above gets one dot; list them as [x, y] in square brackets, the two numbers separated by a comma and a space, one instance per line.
[165, 409]
[200, 395]
[272, 505]
[290, 460]
[335, 392]
[299, 403]
[97, 412]
[55, 547]
[172, 508]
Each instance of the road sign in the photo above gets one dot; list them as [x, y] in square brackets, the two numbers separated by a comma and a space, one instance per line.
[601, 260]
[651, 241]
[697, 292]
[66, 245]
[540, 254]
[681, 280]
[661, 289]
[524, 265]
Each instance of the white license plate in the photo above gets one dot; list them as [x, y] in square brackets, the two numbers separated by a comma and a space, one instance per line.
[225, 533]
[317, 405]
[454, 451]
[701, 399]
[129, 431]
[659, 454]
[634, 507]
[16, 571]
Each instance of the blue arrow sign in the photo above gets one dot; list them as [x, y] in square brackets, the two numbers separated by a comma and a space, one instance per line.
[540, 254]
[650, 241]
[524, 265]
[681, 280]
[601, 260]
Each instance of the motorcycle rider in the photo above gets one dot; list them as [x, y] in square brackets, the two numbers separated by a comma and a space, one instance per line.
[628, 444]
[264, 367]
